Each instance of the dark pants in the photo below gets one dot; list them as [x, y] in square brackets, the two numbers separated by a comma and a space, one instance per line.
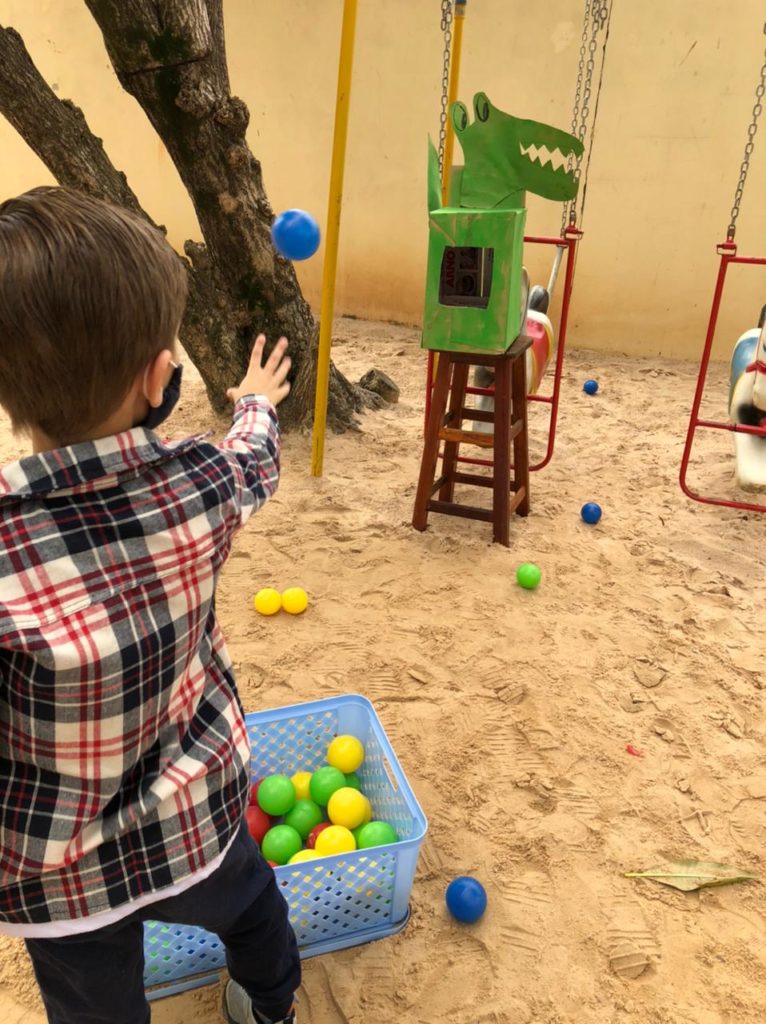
[98, 977]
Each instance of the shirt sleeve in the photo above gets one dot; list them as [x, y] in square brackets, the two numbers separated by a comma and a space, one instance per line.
[252, 447]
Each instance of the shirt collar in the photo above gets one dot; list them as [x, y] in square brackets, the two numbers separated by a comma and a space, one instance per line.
[89, 463]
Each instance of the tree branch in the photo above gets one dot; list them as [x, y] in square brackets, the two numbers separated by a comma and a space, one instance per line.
[56, 129]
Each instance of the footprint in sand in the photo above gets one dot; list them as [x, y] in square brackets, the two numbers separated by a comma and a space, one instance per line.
[631, 946]
[524, 758]
[528, 902]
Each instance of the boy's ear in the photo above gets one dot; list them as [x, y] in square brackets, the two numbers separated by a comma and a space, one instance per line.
[156, 377]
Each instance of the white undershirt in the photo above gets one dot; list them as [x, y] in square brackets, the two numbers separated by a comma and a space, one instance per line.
[79, 925]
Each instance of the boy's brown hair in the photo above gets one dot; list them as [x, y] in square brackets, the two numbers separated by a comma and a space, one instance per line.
[90, 293]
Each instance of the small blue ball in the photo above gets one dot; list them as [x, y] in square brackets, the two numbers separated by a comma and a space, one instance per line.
[591, 513]
[295, 235]
[590, 387]
[466, 899]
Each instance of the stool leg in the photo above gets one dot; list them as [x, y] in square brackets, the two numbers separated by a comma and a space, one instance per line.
[431, 442]
[455, 419]
[501, 473]
[521, 442]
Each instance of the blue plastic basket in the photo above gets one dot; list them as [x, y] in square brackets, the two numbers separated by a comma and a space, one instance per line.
[334, 902]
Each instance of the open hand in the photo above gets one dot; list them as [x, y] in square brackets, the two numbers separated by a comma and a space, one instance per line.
[269, 378]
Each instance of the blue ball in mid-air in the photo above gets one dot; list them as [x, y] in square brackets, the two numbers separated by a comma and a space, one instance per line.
[466, 899]
[590, 387]
[295, 235]
[591, 513]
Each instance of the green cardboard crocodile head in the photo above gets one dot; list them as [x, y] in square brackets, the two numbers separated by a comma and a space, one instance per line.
[506, 156]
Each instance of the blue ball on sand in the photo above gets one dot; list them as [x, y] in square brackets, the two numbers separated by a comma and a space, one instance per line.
[591, 513]
[295, 235]
[466, 899]
[590, 387]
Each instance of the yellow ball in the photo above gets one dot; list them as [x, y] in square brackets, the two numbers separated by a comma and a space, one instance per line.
[301, 782]
[267, 601]
[333, 840]
[345, 753]
[295, 600]
[367, 811]
[301, 855]
[347, 807]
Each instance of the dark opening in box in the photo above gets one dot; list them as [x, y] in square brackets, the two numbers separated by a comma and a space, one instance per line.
[466, 276]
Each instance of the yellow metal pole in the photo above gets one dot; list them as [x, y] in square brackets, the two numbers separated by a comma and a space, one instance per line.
[334, 205]
[454, 85]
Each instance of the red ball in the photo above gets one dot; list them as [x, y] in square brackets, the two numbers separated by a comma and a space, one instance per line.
[254, 792]
[312, 837]
[272, 864]
[258, 823]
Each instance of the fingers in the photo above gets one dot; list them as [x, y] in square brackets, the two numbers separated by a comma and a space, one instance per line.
[277, 355]
[256, 356]
[281, 371]
[282, 392]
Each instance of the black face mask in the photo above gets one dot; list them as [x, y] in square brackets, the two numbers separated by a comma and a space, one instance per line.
[170, 396]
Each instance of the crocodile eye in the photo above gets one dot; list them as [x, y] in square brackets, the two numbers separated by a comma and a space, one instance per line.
[481, 106]
[459, 117]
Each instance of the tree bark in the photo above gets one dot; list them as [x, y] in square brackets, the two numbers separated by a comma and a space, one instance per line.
[170, 55]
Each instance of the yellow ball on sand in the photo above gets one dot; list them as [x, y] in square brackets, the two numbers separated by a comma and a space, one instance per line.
[267, 601]
[333, 840]
[301, 782]
[347, 807]
[295, 600]
[302, 855]
[345, 753]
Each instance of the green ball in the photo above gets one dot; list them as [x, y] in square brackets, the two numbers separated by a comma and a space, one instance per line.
[303, 817]
[376, 833]
[281, 843]
[276, 795]
[324, 782]
[352, 780]
[528, 576]
[356, 832]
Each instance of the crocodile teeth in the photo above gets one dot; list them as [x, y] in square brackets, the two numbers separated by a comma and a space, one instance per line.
[544, 156]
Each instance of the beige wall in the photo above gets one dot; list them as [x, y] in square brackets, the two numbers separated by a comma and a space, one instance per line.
[677, 98]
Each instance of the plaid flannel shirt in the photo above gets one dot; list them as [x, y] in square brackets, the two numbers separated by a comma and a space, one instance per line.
[124, 758]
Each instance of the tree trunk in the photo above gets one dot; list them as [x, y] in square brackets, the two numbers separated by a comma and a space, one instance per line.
[170, 55]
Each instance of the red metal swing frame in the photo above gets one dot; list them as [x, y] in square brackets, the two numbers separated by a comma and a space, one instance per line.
[568, 242]
[728, 253]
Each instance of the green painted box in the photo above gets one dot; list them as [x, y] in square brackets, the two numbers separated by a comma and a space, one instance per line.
[475, 286]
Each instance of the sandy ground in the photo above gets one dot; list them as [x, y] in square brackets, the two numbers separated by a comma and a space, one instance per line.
[647, 629]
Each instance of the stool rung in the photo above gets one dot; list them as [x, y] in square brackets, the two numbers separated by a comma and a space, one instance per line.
[467, 437]
[448, 508]
[480, 415]
[474, 480]
[438, 484]
[476, 437]
[517, 499]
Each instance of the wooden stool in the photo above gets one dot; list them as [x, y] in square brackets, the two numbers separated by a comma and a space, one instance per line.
[446, 424]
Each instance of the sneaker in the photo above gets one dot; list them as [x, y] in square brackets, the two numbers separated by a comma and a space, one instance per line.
[238, 1008]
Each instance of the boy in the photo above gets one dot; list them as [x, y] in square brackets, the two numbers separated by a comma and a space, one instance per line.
[124, 760]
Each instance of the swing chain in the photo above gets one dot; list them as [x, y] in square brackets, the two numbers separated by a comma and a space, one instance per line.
[580, 68]
[599, 15]
[750, 145]
[446, 27]
[594, 20]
